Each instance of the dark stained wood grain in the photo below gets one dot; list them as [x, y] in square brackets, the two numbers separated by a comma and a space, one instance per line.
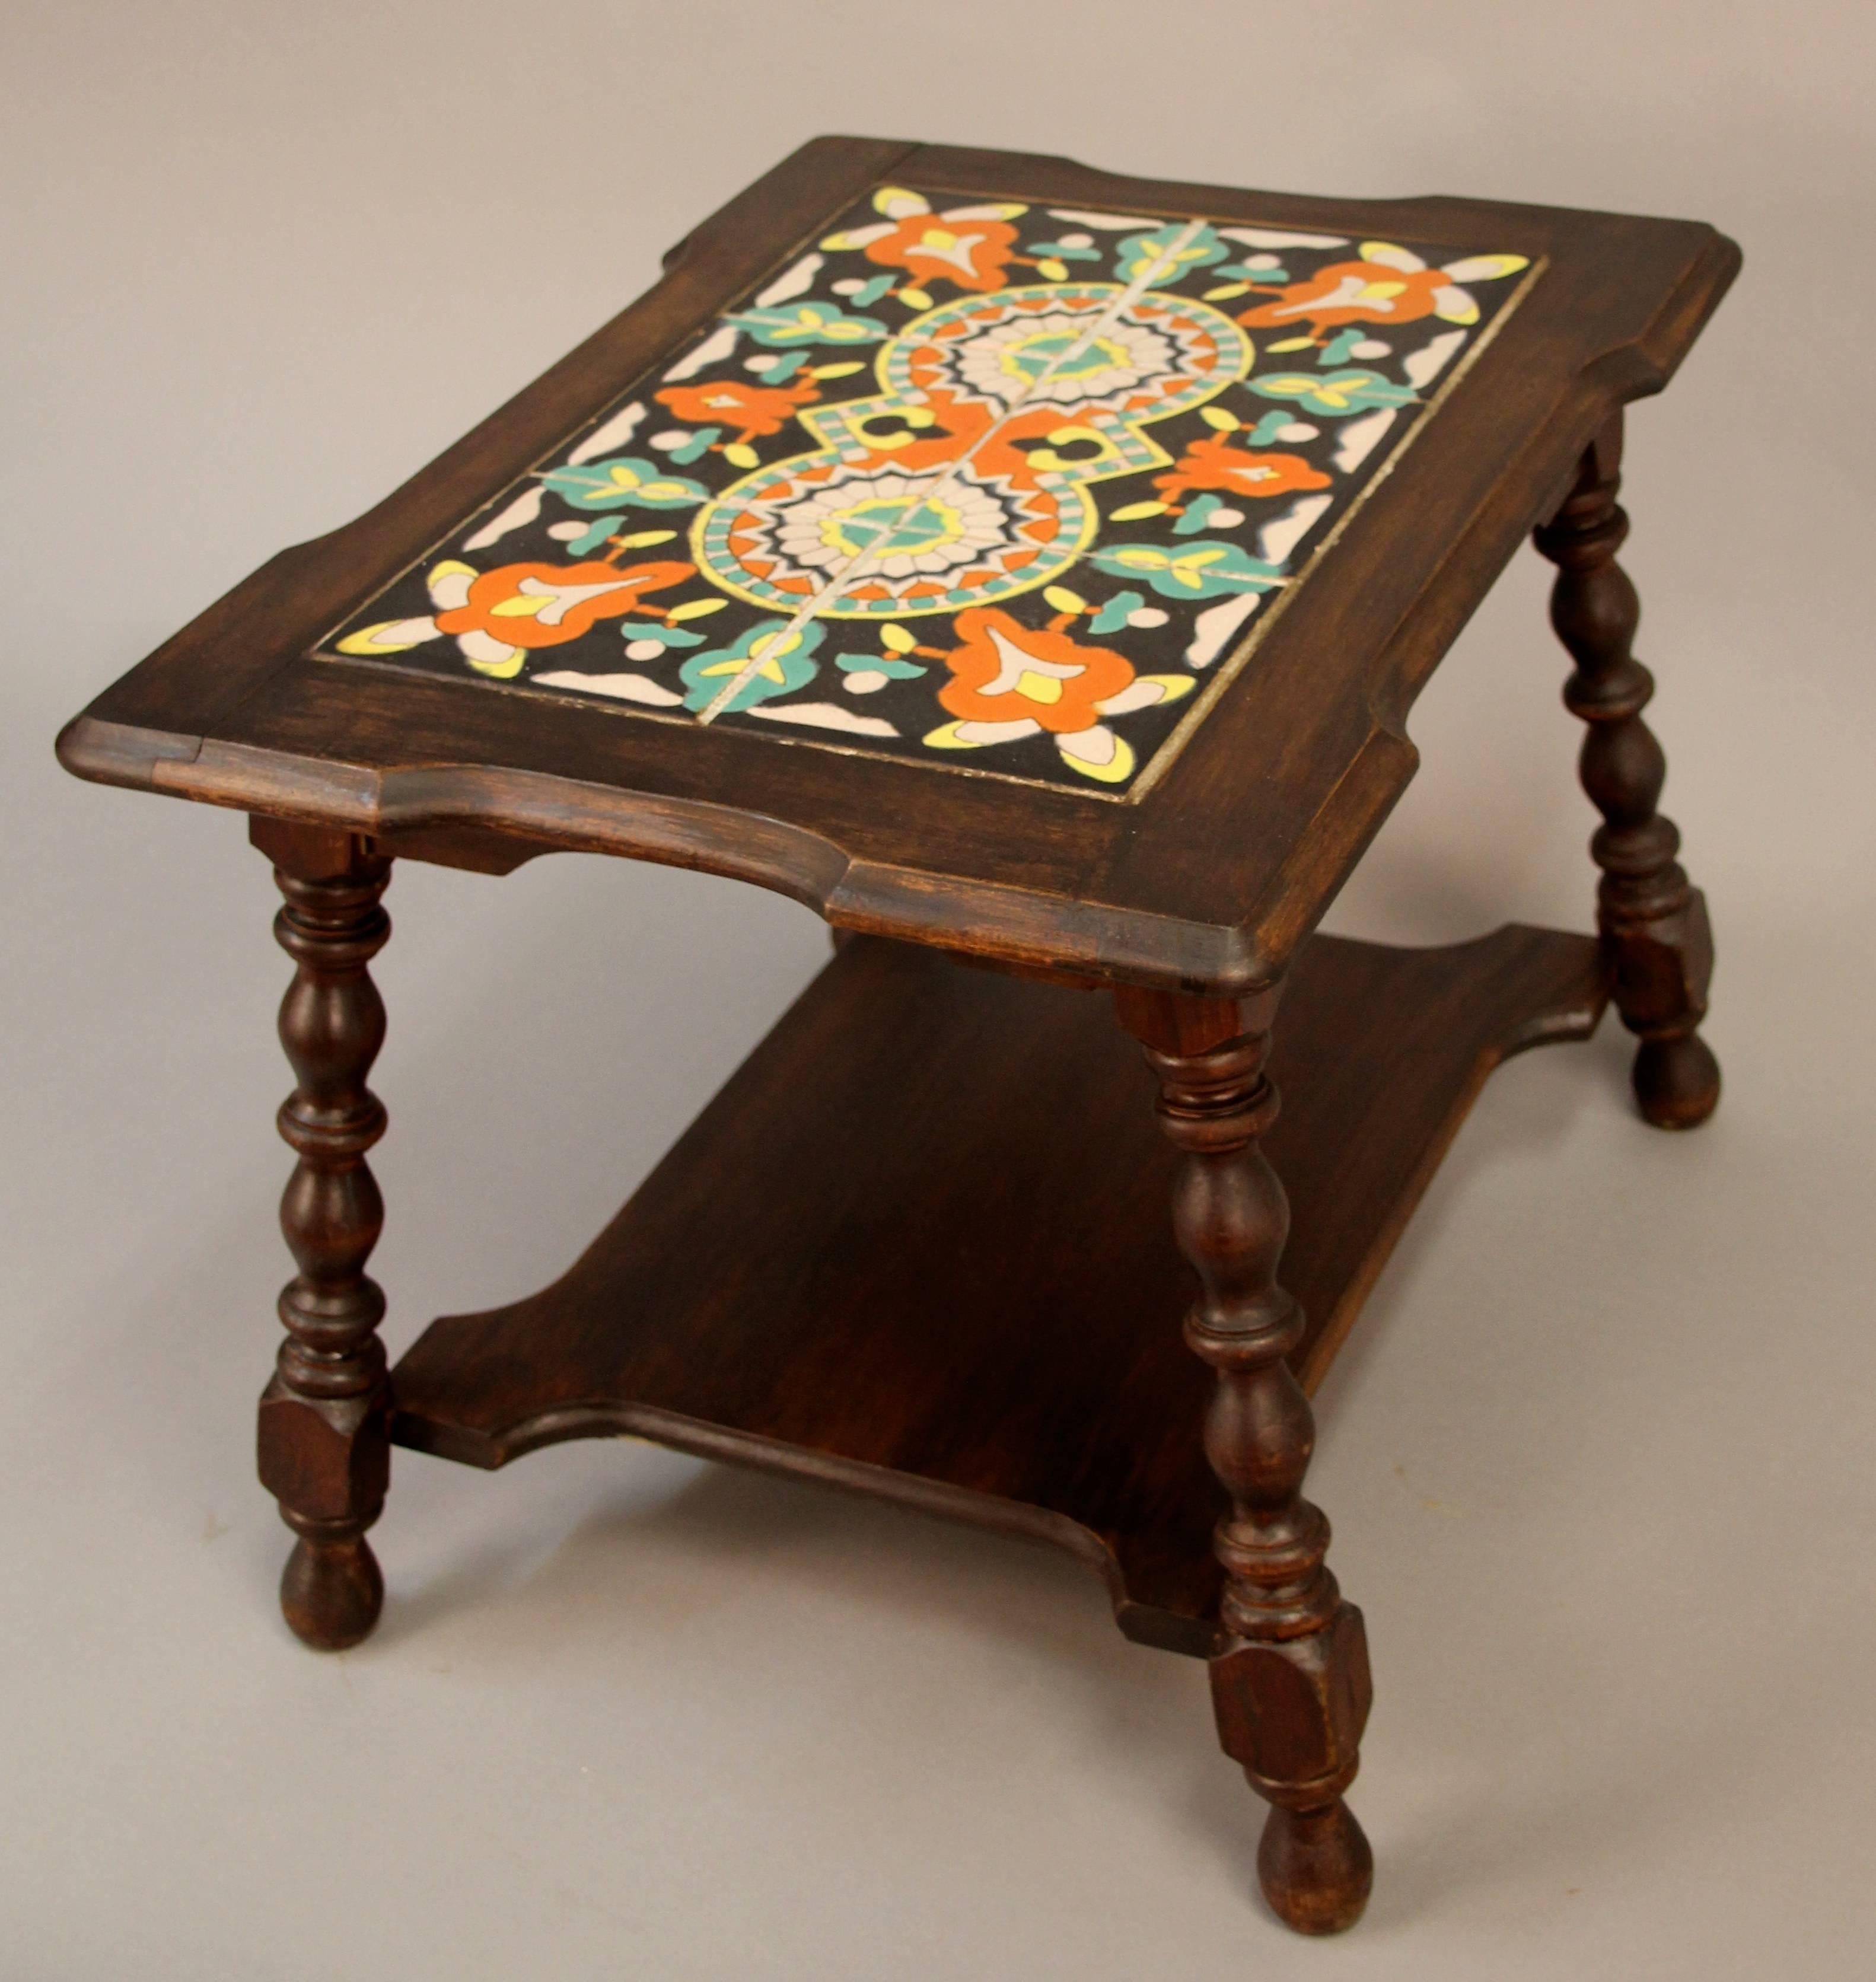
[919, 1246]
[1208, 883]
[323, 1450]
[1290, 1678]
[1652, 917]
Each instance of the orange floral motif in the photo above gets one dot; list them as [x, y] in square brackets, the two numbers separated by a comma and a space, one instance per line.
[1009, 682]
[970, 246]
[1008, 673]
[1388, 284]
[973, 254]
[1214, 463]
[756, 411]
[544, 605]
[1350, 292]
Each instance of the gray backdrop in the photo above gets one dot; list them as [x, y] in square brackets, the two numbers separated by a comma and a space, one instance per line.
[1599, 1458]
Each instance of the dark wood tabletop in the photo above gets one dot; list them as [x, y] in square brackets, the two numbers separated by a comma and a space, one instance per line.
[987, 551]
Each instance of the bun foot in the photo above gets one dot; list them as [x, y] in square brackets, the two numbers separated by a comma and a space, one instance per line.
[1316, 1867]
[1677, 1081]
[330, 1593]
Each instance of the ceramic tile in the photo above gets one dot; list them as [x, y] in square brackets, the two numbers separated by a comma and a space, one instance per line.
[982, 486]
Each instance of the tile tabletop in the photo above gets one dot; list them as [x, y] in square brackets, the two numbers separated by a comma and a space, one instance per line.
[987, 550]
[986, 486]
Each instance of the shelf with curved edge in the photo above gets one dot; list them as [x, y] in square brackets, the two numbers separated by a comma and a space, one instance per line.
[919, 1246]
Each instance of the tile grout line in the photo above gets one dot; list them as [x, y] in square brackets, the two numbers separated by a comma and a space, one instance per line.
[856, 565]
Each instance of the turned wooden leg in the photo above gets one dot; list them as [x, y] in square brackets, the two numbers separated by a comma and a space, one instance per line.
[1652, 918]
[1290, 1681]
[325, 1446]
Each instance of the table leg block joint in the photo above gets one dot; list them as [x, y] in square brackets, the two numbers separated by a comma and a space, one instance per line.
[953, 1281]
[1291, 1715]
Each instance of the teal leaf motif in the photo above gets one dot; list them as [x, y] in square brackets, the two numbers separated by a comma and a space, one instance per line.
[1199, 513]
[1113, 615]
[706, 674]
[1270, 428]
[1207, 569]
[696, 447]
[1138, 252]
[792, 325]
[1340, 349]
[1335, 395]
[891, 665]
[627, 482]
[636, 630]
[595, 534]
[1055, 252]
[869, 293]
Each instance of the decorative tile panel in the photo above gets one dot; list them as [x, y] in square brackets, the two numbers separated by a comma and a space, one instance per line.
[986, 487]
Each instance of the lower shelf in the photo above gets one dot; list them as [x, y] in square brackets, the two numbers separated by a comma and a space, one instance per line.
[919, 1246]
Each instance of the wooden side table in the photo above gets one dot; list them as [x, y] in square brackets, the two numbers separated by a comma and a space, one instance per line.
[1027, 569]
